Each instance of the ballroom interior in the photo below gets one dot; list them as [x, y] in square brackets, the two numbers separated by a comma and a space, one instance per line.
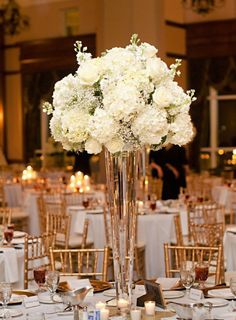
[42, 53]
[117, 182]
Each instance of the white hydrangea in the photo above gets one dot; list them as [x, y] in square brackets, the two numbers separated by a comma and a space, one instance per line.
[74, 124]
[102, 126]
[182, 129]
[93, 146]
[151, 125]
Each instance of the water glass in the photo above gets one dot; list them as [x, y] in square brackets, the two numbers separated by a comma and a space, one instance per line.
[187, 275]
[52, 281]
[5, 296]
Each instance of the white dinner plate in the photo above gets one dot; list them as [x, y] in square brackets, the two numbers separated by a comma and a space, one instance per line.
[110, 293]
[221, 293]
[13, 312]
[173, 294]
[216, 302]
[18, 241]
[19, 234]
[45, 298]
[16, 299]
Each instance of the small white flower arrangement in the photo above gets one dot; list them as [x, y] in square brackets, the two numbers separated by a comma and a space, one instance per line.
[123, 100]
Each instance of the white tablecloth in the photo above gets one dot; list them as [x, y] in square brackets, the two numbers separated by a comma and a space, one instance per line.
[225, 196]
[12, 266]
[230, 248]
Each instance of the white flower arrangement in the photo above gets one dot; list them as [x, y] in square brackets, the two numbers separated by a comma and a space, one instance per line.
[123, 100]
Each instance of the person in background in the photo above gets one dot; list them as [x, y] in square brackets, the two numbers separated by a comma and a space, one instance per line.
[82, 163]
[171, 165]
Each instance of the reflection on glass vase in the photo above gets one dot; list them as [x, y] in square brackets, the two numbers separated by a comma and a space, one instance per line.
[121, 174]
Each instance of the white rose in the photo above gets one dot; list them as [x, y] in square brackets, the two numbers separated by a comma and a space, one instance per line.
[162, 97]
[115, 145]
[88, 73]
[93, 146]
[149, 51]
[157, 69]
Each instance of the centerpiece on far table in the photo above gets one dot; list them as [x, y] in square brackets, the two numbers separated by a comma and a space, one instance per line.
[123, 100]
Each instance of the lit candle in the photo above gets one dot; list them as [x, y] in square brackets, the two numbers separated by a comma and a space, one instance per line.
[135, 314]
[104, 314]
[122, 303]
[100, 305]
[149, 308]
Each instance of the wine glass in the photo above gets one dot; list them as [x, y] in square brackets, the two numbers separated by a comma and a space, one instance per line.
[39, 277]
[52, 282]
[8, 235]
[5, 296]
[187, 275]
[85, 203]
[201, 273]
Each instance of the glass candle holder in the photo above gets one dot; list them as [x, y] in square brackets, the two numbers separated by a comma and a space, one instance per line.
[135, 314]
[104, 314]
[149, 308]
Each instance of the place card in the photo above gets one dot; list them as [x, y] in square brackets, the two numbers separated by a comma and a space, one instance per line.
[30, 302]
[139, 289]
[195, 294]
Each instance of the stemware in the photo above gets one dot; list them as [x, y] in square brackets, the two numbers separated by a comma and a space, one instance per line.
[52, 282]
[85, 203]
[39, 277]
[187, 275]
[8, 235]
[5, 296]
[201, 273]
[232, 284]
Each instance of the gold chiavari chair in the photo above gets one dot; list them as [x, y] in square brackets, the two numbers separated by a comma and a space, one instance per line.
[178, 231]
[205, 213]
[175, 255]
[60, 224]
[209, 235]
[5, 216]
[81, 262]
[36, 254]
[42, 215]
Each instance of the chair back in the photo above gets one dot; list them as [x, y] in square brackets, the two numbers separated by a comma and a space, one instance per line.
[60, 224]
[5, 216]
[178, 230]
[176, 255]
[81, 262]
[207, 234]
[36, 254]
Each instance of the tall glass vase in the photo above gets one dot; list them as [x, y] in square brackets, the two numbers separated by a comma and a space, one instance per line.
[121, 174]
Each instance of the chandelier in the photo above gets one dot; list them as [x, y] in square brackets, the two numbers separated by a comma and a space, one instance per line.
[203, 6]
[11, 19]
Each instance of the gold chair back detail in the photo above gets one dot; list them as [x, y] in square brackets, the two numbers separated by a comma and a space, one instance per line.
[36, 254]
[175, 255]
[81, 262]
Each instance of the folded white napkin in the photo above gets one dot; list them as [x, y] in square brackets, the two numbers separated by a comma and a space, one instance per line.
[168, 283]
[11, 265]
[75, 284]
